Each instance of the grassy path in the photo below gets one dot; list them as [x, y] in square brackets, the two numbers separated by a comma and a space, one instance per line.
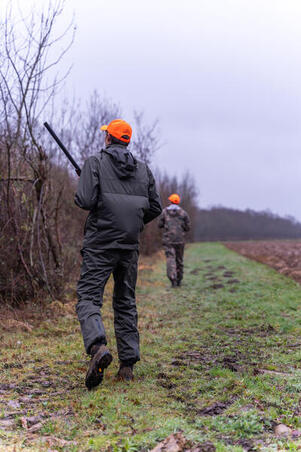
[221, 360]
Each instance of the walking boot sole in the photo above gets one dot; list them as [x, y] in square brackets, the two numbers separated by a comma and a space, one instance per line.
[96, 369]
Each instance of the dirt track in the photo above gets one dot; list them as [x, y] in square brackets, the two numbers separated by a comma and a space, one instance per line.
[283, 255]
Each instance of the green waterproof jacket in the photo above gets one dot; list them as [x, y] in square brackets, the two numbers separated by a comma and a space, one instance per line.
[120, 193]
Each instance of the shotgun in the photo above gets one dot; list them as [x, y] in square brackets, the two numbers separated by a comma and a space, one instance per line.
[67, 154]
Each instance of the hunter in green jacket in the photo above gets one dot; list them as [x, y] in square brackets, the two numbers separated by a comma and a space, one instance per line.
[121, 196]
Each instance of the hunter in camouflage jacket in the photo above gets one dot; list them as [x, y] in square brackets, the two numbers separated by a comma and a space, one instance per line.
[175, 223]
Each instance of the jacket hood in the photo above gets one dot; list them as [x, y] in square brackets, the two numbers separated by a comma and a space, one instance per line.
[173, 210]
[173, 207]
[125, 164]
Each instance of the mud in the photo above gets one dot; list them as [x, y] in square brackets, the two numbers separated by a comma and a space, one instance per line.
[233, 281]
[261, 331]
[178, 443]
[247, 445]
[12, 366]
[246, 362]
[215, 408]
[195, 271]
[228, 274]
[165, 381]
[26, 397]
[204, 447]
[216, 286]
[282, 255]
[230, 362]
[213, 275]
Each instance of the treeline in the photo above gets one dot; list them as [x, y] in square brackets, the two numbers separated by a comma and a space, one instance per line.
[221, 223]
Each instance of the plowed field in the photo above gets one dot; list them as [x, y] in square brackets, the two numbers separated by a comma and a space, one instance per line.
[283, 255]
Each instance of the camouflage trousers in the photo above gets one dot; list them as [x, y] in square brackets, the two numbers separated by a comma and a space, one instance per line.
[174, 261]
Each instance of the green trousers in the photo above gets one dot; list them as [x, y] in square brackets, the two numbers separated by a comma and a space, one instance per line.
[96, 269]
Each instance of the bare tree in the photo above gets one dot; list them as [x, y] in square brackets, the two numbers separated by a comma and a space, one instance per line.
[27, 83]
[146, 138]
[88, 139]
[98, 111]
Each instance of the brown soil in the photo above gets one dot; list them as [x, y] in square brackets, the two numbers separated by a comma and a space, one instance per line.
[216, 286]
[283, 255]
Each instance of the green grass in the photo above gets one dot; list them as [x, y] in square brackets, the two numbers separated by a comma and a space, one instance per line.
[221, 364]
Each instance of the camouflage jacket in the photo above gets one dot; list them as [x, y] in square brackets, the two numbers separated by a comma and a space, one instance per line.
[175, 222]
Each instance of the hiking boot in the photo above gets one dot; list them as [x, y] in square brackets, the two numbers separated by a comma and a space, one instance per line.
[125, 373]
[173, 283]
[101, 358]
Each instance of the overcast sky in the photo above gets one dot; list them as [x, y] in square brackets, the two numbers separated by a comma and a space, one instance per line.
[222, 76]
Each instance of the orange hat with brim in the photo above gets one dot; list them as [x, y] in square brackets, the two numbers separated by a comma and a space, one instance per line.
[119, 129]
[174, 198]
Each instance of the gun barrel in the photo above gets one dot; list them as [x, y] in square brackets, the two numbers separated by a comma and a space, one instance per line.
[68, 155]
